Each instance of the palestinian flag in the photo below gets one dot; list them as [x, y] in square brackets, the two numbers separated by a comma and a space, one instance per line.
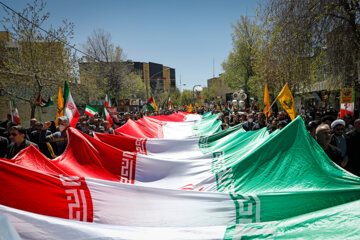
[43, 103]
[107, 116]
[151, 105]
[227, 109]
[15, 113]
[90, 111]
[70, 109]
[107, 101]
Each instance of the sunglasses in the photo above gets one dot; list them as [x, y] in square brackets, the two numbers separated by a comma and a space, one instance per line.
[14, 134]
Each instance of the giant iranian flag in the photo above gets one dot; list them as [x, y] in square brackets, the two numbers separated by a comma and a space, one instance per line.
[249, 184]
[175, 126]
[339, 222]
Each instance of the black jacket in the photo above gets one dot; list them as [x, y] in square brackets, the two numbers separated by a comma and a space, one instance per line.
[334, 154]
[353, 150]
[12, 149]
[3, 146]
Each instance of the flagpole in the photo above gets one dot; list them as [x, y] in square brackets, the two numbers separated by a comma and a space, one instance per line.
[271, 106]
[11, 111]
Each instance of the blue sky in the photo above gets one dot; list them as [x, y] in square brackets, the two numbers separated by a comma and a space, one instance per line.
[185, 35]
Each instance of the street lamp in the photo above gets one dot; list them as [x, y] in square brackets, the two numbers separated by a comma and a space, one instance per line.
[194, 94]
[147, 88]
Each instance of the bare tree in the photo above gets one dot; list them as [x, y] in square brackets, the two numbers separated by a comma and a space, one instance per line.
[107, 67]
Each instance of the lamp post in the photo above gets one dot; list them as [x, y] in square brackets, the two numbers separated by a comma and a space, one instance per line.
[194, 94]
[147, 88]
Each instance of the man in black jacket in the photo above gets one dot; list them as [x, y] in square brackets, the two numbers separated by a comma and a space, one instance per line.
[353, 148]
[19, 142]
[323, 137]
[3, 146]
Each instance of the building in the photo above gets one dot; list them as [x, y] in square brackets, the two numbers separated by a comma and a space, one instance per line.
[157, 77]
[18, 83]
[223, 93]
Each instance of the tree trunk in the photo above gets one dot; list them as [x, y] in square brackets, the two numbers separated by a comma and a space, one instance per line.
[246, 90]
[33, 108]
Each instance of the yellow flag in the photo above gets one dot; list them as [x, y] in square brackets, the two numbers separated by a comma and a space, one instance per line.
[155, 107]
[267, 102]
[189, 108]
[196, 106]
[287, 101]
[60, 107]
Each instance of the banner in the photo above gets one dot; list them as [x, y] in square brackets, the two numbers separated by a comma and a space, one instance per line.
[267, 110]
[287, 101]
[60, 107]
[347, 95]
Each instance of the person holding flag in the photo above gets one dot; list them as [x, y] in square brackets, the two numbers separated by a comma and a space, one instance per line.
[59, 137]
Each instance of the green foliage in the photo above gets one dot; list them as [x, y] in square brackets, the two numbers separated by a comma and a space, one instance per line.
[309, 41]
[186, 97]
[238, 66]
[133, 85]
[209, 94]
[175, 97]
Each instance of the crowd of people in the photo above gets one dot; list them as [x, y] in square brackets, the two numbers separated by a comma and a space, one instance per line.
[339, 138]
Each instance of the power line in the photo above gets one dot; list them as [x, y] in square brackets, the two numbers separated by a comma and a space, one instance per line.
[47, 32]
